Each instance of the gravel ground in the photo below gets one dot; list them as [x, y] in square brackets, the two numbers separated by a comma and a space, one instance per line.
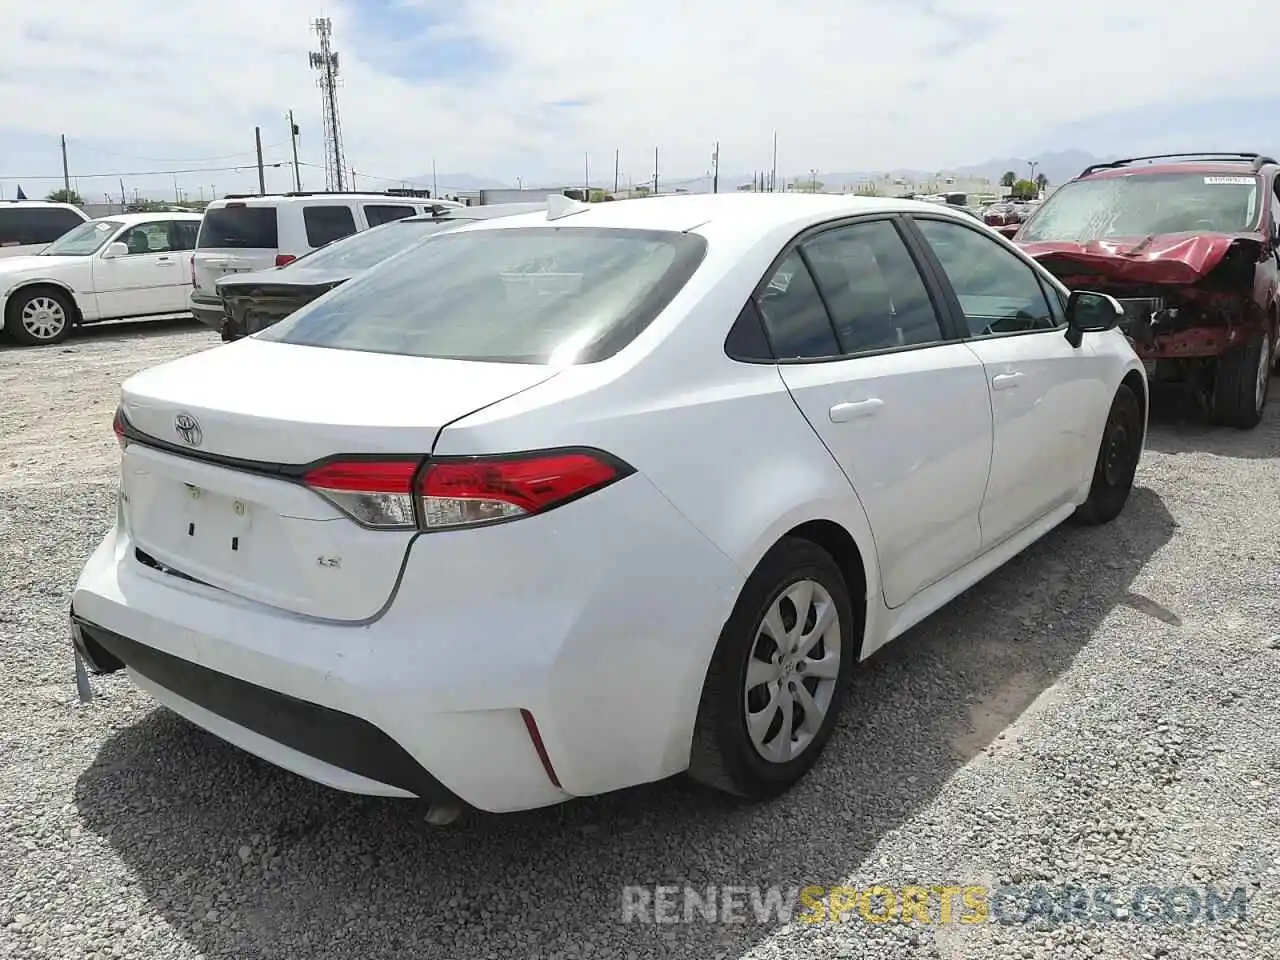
[1095, 713]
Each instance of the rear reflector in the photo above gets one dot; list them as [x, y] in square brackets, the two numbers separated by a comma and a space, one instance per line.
[117, 426]
[284, 259]
[531, 726]
[463, 491]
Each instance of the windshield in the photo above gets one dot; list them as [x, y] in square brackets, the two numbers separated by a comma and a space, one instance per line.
[524, 295]
[360, 251]
[1145, 204]
[84, 240]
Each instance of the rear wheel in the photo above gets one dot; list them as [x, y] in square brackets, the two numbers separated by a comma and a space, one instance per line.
[1117, 462]
[1242, 382]
[778, 675]
[38, 315]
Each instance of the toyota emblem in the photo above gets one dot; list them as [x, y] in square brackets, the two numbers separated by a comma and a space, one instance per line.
[188, 428]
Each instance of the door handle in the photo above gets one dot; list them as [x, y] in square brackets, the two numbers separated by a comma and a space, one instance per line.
[844, 412]
[164, 259]
[1005, 381]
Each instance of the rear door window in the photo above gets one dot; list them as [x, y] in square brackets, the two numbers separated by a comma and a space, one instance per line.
[795, 317]
[251, 228]
[380, 213]
[327, 223]
[182, 234]
[35, 225]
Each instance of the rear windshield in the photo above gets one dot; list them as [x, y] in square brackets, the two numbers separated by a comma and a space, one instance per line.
[524, 295]
[1145, 204]
[363, 250]
[248, 227]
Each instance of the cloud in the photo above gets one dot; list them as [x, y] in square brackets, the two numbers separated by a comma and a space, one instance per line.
[518, 88]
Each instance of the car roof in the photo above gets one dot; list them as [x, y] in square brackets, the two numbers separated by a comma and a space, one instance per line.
[1224, 168]
[9, 204]
[133, 218]
[751, 214]
[274, 199]
[482, 211]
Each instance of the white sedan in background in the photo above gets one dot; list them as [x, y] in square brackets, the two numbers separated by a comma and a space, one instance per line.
[556, 504]
[111, 268]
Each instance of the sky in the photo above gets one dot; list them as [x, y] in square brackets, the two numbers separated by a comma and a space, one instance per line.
[541, 93]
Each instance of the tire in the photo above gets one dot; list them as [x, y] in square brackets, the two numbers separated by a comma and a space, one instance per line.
[39, 315]
[1242, 383]
[1117, 462]
[724, 755]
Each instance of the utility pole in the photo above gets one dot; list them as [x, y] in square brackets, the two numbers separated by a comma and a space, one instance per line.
[715, 176]
[293, 136]
[773, 176]
[177, 197]
[66, 176]
[655, 171]
[586, 177]
[435, 187]
[617, 157]
[262, 174]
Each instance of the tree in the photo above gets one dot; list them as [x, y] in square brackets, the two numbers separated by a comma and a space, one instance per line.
[63, 195]
[1024, 190]
[1009, 179]
[1041, 182]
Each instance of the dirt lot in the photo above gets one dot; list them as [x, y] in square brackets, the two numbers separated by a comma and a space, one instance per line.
[1101, 712]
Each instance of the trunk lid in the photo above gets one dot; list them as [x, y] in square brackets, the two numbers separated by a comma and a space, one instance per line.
[257, 300]
[218, 500]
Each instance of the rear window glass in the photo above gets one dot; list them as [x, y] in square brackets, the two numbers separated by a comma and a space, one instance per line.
[364, 250]
[244, 227]
[328, 223]
[22, 226]
[377, 213]
[1146, 204]
[529, 295]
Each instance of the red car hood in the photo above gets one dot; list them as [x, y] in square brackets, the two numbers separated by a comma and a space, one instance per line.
[1177, 258]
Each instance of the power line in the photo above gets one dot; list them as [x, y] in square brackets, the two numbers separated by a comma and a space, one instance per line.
[148, 173]
[127, 156]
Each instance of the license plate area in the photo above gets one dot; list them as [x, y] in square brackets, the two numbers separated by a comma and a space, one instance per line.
[211, 527]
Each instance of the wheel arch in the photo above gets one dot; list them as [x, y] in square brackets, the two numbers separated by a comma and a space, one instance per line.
[1137, 382]
[40, 282]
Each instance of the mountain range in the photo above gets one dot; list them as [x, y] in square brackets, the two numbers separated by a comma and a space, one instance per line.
[1058, 166]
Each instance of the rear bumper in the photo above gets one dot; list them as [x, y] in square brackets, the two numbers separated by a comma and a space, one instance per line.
[330, 737]
[208, 310]
[604, 647]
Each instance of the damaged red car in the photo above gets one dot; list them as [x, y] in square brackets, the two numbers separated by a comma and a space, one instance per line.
[1190, 246]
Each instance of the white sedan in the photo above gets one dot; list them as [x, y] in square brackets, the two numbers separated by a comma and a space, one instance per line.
[132, 265]
[561, 503]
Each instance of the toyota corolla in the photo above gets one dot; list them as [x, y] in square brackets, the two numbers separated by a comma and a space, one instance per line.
[570, 501]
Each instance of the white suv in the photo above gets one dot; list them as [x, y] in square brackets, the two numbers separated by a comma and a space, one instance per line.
[246, 233]
[28, 226]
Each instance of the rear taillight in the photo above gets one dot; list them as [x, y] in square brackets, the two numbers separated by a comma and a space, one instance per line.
[376, 493]
[284, 259]
[117, 426]
[462, 491]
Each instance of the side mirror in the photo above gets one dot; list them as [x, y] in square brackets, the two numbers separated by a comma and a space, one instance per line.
[115, 250]
[1091, 313]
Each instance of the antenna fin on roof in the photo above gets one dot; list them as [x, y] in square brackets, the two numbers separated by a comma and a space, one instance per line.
[559, 206]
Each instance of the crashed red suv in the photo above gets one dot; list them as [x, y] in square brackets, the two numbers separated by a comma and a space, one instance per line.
[1190, 246]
